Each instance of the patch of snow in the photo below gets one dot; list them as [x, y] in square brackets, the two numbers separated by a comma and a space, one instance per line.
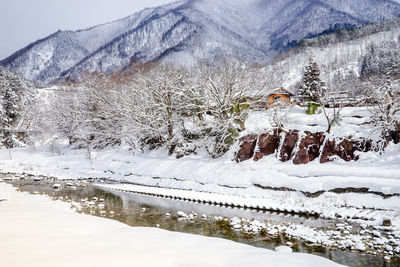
[283, 249]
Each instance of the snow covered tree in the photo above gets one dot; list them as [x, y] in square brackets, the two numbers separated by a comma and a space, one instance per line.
[369, 66]
[333, 116]
[230, 91]
[64, 117]
[154, 102]
[157, 106]
[333, 102]
[11, 88]
[103, 125]
[13, 98]
[381, 59]
[84, 113]
[279, 115]
[385, 111]
[312, 88]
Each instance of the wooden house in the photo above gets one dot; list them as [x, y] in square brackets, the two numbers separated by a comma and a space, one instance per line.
[279, 95]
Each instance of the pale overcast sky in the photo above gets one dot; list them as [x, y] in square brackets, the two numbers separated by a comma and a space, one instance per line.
[25, 21]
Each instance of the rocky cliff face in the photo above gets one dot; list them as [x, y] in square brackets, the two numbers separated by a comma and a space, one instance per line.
[186, 31]
[304, 147]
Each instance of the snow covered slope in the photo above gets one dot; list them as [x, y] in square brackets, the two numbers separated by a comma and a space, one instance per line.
[337, 61]
[45, 59]
[186, 31]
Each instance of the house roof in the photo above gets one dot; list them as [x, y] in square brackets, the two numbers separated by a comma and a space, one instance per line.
[338, 94]
[281, 91]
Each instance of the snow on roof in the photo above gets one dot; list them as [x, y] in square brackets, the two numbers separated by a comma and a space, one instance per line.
[339, 94]
[281, 91]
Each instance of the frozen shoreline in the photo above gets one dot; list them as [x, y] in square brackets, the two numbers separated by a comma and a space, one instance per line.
[42, 232]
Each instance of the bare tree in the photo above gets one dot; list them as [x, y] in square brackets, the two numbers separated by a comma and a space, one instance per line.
[154, 102]
[83, 113]
[385, 110]
[230, 92]
[333, 116]
[332, 105]
[279, 115]
[157, 106]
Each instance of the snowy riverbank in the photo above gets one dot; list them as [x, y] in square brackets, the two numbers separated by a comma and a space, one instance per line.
[38, 231]
[365, 191]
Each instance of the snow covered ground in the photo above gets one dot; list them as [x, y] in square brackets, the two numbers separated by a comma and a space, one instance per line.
[226, 181]
[244, 184]
[37, 231]
[366, 191]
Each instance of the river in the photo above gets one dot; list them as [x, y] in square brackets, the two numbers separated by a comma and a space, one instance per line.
[196, 218]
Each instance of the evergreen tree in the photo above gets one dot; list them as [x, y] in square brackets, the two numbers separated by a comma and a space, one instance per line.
[367, 66]
[312, 88]
[12, 90]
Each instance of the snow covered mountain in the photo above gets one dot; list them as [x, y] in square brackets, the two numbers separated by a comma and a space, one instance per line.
[186, 31]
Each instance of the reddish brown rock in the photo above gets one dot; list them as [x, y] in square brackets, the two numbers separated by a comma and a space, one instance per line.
[247, 146]
[309, 147]
[328, 151]
[345, 150]
[288, 145]
[268, 144]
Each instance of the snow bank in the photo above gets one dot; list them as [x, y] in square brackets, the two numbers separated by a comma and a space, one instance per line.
[353, 122]
[377, 173]
[36, 231]
[250, 184]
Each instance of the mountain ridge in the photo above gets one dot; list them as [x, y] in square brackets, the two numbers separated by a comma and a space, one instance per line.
[186, 31]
